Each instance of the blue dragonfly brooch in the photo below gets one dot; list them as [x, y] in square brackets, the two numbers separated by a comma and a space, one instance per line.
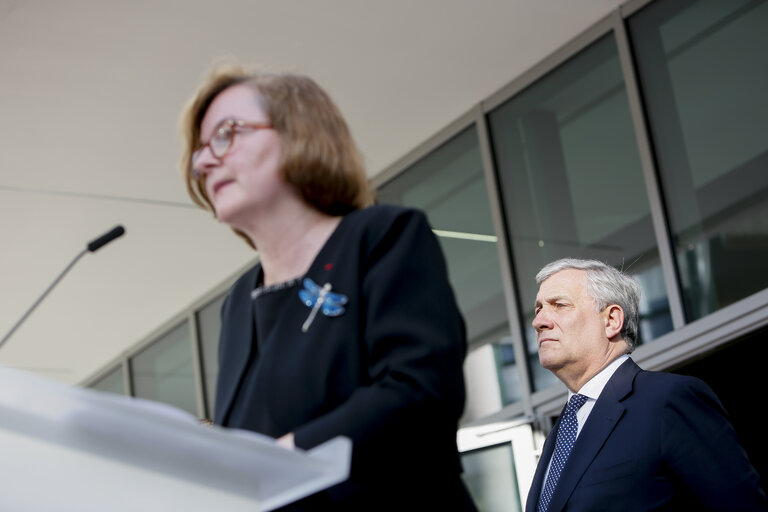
[320, 299]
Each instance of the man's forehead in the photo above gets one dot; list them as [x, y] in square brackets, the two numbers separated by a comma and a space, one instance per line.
[568, 275]
[563, 283]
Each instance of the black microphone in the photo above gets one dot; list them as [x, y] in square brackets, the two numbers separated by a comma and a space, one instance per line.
[98, 243]
[93, 246]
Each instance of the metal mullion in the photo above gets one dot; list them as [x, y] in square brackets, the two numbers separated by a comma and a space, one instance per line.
[658, 214]
[707, 333]
[505, 259]
[127, 376]
[201, 399]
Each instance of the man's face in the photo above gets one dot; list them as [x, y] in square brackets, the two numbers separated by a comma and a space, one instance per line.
[570, 332]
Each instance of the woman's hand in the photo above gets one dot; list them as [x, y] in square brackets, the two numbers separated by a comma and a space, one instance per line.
[286, 441]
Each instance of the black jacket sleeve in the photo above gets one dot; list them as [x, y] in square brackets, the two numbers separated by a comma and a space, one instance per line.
[415, 344]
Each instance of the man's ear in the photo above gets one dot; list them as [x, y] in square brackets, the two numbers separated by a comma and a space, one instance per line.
[614, 320]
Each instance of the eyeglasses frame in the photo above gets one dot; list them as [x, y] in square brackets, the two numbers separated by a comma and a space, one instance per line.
[232, 124]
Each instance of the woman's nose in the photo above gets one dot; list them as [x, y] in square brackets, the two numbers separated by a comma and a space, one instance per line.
[203, 162]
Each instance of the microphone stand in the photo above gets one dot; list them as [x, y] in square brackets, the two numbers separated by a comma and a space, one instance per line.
[40, 299]
[93, 246]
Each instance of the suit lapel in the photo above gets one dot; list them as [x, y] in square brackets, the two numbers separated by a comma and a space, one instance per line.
[606, 413]
[237, 335]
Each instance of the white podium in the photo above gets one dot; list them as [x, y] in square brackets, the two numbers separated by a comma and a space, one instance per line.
[67, 448]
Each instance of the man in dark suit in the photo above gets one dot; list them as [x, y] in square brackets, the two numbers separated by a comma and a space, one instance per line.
[633, 439]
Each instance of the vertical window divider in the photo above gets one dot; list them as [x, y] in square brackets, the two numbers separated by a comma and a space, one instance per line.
[658, 214]
[505, 261]
[197, 364]
[127, 376]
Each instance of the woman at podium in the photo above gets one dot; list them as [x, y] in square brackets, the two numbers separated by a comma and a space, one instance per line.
[347, 326]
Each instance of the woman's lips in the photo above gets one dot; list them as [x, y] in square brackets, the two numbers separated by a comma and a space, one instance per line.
[219, 185]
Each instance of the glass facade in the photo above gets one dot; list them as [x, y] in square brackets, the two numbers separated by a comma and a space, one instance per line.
[164, 371]
[208, 326]
[112, 382]
[572, 183]
[703, 75]
[489, 474]
[450, 187]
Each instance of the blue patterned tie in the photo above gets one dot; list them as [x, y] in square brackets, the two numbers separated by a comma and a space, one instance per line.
[566, 436]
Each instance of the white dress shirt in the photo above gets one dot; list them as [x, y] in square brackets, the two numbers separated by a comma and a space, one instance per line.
[591, 390]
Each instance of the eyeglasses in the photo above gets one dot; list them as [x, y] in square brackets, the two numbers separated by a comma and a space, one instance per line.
[221, 141]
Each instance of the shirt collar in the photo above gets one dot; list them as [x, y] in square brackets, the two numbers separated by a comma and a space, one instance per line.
[595, 385]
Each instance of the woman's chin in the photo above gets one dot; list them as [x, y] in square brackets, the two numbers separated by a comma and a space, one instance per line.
[225, 214]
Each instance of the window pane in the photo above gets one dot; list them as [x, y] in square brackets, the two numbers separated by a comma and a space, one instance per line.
[112, 382]
[164, 371]
[209, 325]
[703, 73]
[572, 183]
[449, 186]
[490, 477]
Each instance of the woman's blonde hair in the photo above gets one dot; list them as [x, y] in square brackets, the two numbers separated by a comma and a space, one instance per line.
[318, 156]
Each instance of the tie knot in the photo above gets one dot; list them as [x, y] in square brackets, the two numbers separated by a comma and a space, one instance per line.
[576, 402]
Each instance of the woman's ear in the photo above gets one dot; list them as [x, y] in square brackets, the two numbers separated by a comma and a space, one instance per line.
[614, 320]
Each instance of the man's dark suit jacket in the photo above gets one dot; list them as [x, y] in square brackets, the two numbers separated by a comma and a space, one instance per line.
[653, 441]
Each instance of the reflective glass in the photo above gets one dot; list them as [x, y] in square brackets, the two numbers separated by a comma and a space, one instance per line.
[506, 364]
[449, 186]
[209, 325]
[489, 474]
[572, 183]
[112, 382]
[703, 73]
[164, 371]
[492, 378]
